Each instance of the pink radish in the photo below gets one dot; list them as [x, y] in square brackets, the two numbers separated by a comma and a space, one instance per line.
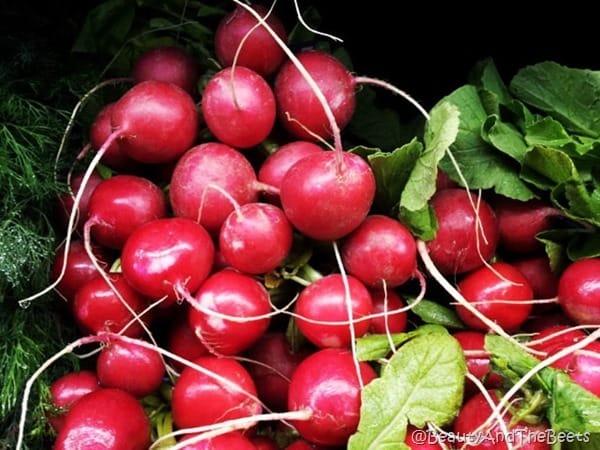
[274, 167]
[256, 238]
[327, 195]
[100, 130]
[133, 368]
[325, 300]
[65, 391]
[170, 64]
[166, 257]
[326, 382]
[229, 293]
[238, 106]
[387, 318]
[154, 122]
[579, 291]
[205, 180]
[500, 292]
[380, 251]
[105, 418]
[121, 204]
[224, 388]
[300, 110]
[467, 233]
[98, 306]
[239, 38]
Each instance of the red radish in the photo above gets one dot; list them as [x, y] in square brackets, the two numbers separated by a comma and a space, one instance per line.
[166, 256]
[233, 395]
[519, 222]
[326, 383]
[106, 418]
[230, 293]
[100, 130]
[238, 33]
[227, 441]
[579, 291]
[182, 341]
[79, 268]
[584, 367]
[238, 106]
[170, 64]
[65, 391]
[131, 367]
[256, 238]
[97, 306]
[475, 412]
[541, 277]
[381, 251]
[467, 233]
[323, 301]
[420, 439]
[264, 443]
[66, 201]
[553, 339]
[272, 363]
[302, 444]
[275, 166]
[500, 292]
[121, 204]
[478, 361]
[387, 302]
[300, 111]
[443, 181]
[327, 195]
[200, 177]
[155, 122]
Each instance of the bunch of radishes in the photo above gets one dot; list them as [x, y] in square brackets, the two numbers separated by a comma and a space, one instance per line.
[177, 264]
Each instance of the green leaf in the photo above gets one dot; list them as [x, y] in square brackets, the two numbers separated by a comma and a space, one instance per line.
[392, 171]
[440, 133]
[485, 76]
[505, 137]
[547, 167]
[422, 223]
[422, 383]
[106, 27]
[482, 165]
[433, 313]
[569, 95]
[372, 347]
[583, 441]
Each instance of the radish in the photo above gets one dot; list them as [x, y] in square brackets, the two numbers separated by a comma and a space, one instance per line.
[170, 64]
[106, 418]
[65, 391]
[100, 306]
[154, 122]
[227, 441]
[181, 339]
[322, 311]
[500, 292]
[238, 106]
[274, 167]
[327, 383]
[478, 361]
[381, 251]
[579, 291]
[554, 338]
[206, 178]
[470, 427]
[166, 257]
[541, 277]
[271, 365]
[256, 238]
[66, 202]
[328, 195]
[121, 204]
[299, 109]
[78, 267]
[240, 39]
[264, 443]
[225, 296]
[302, 444]
[133, 368]
[100, 130]
[519, 222]
[387, 312]
[224, 389]
[467, 232]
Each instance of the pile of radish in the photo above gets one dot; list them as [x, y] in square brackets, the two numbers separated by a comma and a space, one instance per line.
[221, 290]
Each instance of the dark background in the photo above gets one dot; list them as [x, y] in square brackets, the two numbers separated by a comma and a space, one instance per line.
[423, 48]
